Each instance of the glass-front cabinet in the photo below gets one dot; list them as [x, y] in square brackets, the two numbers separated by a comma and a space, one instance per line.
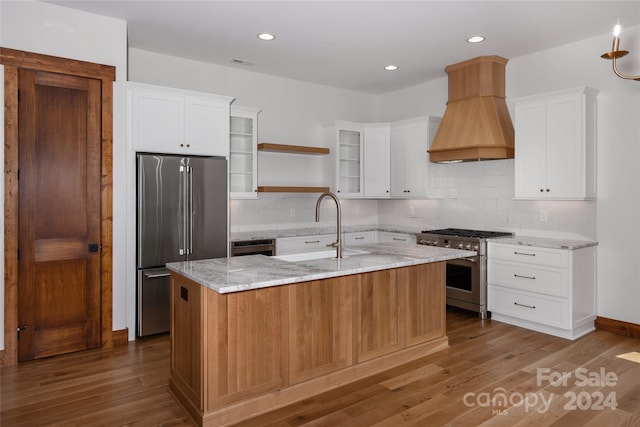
[348, 137]
[243, 155]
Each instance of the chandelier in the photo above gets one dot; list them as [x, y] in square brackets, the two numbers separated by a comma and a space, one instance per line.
[617, 53]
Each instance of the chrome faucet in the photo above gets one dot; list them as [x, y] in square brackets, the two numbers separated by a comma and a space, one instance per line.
[338, 243]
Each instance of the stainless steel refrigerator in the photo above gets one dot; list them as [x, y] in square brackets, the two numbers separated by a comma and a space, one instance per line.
[181, 216]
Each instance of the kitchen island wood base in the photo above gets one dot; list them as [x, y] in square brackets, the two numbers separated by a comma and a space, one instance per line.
[238, 355]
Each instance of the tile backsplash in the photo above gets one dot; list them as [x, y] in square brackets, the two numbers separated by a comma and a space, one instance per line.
[475, 195]
[297, 210]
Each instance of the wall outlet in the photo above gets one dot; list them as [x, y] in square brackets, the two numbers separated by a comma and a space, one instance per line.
[543, 216]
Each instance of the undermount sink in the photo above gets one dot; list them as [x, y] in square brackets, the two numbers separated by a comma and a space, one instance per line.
[307, 256]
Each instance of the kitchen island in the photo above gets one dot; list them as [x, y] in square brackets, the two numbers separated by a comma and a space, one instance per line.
[254, 333]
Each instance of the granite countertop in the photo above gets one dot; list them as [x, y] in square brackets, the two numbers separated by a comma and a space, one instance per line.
[235, 274]
[544, 242]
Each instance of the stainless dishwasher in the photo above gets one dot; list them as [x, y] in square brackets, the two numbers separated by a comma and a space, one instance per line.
[253, 247]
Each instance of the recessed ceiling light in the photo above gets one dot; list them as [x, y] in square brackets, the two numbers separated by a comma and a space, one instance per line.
[266, 36]
[475, 39]
[391, 67]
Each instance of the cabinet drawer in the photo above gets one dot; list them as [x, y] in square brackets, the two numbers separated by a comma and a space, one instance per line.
[539, 279]
[299, 244]
[528, 254]
[524, 305]
[363, 238]
[390, 237]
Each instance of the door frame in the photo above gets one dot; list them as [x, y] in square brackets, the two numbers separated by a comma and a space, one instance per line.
[13, 60]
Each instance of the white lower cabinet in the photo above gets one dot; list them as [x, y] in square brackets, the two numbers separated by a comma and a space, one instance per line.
[301, 244]
[543, 289]
[392, 237]
[319, 242]
[361, 238]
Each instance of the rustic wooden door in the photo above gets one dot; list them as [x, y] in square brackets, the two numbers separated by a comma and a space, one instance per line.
[59, 214]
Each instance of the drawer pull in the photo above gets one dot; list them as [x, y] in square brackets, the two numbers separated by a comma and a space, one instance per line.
[312, 241]
[525, 277]
[523, 253]
[359, 238]
[399, 240]
[524, 305]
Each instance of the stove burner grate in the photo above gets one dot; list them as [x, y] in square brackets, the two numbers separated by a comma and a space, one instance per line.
[460, 232]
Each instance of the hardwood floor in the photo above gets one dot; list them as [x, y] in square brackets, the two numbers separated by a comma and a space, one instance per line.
[127, 385]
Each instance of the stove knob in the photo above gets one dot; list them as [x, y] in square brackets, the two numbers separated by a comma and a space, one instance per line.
[447, 245]
[460, 245]
[468, 247]
[475, 248]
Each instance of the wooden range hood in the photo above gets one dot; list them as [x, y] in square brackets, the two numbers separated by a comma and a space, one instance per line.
[476, 124]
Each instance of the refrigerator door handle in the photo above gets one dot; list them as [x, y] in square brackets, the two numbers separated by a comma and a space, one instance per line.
[156, 275]
[190, 218]
[183, 182]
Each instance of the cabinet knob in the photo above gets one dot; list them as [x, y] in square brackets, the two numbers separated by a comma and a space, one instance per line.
[188, 145]
[542, 190]
[547, 190]
[182, 145]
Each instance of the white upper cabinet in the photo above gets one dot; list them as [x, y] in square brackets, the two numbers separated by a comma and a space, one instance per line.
[410, 140]
[243, 154]
[348, 140]
[555, 145]
[167, 120]
[382, 160]
[377, 166]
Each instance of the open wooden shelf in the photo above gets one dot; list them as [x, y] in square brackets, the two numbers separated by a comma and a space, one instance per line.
[278, 189]
[293, 149]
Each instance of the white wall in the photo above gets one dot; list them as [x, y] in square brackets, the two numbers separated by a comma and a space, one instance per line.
[87, 37]
[484, 190]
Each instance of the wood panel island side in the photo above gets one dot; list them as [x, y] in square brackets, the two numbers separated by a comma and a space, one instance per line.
[252, 334]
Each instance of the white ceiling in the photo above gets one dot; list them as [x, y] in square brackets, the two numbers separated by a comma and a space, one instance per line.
[346, 44]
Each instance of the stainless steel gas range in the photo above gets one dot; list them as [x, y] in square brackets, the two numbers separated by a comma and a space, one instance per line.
[466, 277]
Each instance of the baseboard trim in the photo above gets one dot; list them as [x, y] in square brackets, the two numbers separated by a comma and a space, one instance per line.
[120, 337]
[618, 327]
